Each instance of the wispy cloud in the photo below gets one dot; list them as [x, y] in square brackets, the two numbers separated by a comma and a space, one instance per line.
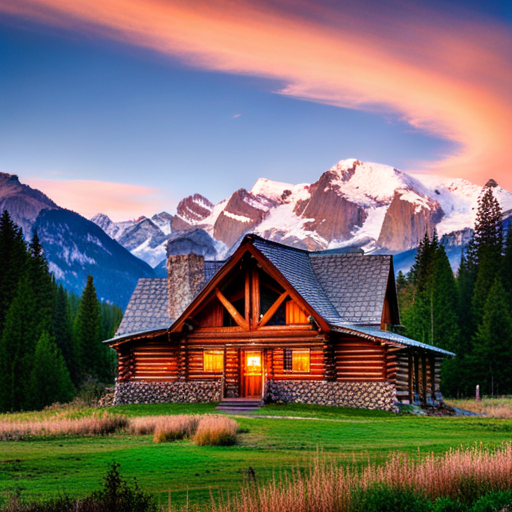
[440, 72]
[117, 200]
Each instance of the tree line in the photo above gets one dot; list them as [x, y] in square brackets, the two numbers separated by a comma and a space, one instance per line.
[469, 313]
[50, 339]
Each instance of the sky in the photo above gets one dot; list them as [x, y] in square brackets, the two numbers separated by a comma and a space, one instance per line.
[126, 106]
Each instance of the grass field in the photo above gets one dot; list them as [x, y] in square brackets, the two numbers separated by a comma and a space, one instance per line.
[273, 439]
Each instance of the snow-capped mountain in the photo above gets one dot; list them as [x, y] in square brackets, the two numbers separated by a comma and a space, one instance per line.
[368, 205]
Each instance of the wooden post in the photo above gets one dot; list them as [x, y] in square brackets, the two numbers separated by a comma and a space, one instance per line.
[411, 379]
[416, 376]
[424, 377]
[248, 298]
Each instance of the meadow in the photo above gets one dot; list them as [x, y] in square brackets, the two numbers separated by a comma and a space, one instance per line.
[275, 440]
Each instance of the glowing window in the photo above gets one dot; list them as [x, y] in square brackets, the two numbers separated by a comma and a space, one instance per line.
[213, 360]
[297, 360]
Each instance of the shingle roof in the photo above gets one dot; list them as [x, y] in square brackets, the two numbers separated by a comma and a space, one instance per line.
[355, 284]
[346, 289]
[375, 333]
[295, 265]
[148, 308]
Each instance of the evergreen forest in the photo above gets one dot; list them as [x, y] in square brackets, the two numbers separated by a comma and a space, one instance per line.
[470, 313]
[50, 340]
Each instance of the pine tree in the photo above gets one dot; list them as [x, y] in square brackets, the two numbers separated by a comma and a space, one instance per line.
[63, 328]
[17, 347]
[486, 247]
[493, 344]
[506, 269]
[13, 256]
[94, 359]
[49, 380]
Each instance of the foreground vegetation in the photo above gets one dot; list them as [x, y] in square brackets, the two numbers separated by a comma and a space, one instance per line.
[276, 440]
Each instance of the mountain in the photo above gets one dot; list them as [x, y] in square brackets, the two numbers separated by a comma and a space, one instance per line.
[22, 202]
[372, 206]
[73, 245]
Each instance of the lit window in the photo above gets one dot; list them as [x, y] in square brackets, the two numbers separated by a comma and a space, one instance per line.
[297, 360]
[213, 360]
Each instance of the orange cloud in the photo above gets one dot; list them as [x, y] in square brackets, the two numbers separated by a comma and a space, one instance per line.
[88, 197]
[439, 72]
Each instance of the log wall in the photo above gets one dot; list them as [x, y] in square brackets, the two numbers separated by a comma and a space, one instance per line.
[360, 361]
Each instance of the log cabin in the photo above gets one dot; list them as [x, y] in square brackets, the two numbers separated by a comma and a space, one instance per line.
[273, 323]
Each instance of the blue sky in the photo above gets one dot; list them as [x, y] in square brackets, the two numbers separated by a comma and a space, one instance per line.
[80, 104]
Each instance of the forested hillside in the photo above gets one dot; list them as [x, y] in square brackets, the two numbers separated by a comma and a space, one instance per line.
[50, 339]
[469, 314]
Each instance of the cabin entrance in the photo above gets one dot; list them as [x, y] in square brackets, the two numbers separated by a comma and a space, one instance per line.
[252, 373]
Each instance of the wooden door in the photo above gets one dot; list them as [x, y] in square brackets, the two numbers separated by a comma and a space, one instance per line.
[252, 373]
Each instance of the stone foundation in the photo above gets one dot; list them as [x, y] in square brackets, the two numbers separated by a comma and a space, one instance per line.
[362, 395]
[166, 392]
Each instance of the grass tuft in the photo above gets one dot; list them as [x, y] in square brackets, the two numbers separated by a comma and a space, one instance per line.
[216, 430]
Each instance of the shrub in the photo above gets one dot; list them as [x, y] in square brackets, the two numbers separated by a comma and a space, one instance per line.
[117, 495]
[493, 501]
[384, 499]
[216, 431]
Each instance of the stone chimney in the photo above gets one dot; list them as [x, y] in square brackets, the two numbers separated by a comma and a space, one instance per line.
[185, 279]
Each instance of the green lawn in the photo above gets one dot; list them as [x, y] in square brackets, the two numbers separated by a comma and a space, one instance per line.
[275, 438]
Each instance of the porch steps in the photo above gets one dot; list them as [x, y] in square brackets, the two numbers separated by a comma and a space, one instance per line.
[239, 404]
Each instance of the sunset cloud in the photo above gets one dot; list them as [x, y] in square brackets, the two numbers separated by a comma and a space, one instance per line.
[440, 72]
[88, 197]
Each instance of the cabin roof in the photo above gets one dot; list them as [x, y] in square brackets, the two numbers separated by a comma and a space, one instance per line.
[295, 265]
[346, 289]
[375, 334]
[148, 308]
[355, 284]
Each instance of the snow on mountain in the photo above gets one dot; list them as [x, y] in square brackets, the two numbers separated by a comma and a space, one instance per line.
[354, 203]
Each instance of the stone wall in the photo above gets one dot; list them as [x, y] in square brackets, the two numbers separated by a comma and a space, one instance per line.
[363, 395]
[185, 278]
[166, 392]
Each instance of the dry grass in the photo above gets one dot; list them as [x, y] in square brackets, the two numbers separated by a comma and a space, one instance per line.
[500, 408]
[165, 428]
[460, 474]
[204, 430]
[216, 431]
[93, 425]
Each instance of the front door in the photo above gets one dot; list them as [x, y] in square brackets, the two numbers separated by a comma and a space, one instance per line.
[252, 373]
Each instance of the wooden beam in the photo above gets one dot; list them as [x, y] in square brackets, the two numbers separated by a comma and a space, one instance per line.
[237, 317]
[255, 288]
[270, 313]
[247, 296]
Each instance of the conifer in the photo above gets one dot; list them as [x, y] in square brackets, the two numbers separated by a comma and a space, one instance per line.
[49, 380]
[493, 344]
[13, 256]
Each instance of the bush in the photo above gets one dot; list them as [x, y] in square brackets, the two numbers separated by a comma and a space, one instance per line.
[115, 496]
[386, 499]
[494, 501]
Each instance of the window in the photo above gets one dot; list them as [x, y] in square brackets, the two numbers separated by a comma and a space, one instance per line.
[213, 360]
[296, 360]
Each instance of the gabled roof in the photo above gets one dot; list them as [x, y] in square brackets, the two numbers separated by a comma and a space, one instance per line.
[347, 290]
[148, 309]
[295, 266]
[355, 284]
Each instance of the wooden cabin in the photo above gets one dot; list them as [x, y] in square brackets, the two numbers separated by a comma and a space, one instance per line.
[273, 323]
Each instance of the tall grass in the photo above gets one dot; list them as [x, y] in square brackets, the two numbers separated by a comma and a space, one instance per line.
[461, 475]
[500, 408]
[98, 424]
[203, 430]
[215, 430]
[209, 429]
